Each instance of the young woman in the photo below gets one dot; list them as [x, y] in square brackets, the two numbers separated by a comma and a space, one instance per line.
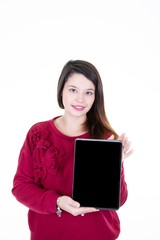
[43, 180]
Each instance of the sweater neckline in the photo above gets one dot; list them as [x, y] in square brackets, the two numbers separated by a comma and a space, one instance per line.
[59, 133]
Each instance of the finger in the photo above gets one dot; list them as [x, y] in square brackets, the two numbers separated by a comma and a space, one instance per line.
[111, 137]
[74, 204]
[125, 142]
[126, 145]
[84, 210]
[88, 209]
[122, 136]
[129, 153]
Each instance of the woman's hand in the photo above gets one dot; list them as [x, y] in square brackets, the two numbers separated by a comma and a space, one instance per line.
[67, 204]
[127, 150]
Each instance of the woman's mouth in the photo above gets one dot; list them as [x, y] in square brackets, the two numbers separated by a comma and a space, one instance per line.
[78, 108]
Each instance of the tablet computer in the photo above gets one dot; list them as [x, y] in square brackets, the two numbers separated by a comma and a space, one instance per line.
[97, 173]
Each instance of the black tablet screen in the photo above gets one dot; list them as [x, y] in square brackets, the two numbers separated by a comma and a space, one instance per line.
[97, 170]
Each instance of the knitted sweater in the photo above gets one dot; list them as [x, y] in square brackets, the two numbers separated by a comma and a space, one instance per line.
[45, 172]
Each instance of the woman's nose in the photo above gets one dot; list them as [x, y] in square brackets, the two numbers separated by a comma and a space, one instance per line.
[80, 97]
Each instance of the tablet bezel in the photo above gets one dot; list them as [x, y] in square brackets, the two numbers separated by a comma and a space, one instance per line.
[98, 197]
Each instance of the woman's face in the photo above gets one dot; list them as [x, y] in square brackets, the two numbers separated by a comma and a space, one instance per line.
[78, 95]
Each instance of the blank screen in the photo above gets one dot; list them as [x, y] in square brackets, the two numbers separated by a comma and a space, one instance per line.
[97, 170]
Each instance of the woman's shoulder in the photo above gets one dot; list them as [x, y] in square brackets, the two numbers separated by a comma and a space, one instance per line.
[41, 125]
[41, 128]
[39, 133]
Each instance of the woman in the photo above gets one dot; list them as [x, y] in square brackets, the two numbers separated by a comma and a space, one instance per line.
[43, 180]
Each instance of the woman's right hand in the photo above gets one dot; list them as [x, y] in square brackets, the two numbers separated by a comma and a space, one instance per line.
[67, 204]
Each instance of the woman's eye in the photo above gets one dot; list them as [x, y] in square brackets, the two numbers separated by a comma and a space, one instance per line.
[72, 90]
[89, 93]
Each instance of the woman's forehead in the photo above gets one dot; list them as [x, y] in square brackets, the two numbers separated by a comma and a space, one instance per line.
[78, 80]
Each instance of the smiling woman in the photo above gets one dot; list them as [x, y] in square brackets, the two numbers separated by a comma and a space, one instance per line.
[44, 177]
[78, 97]
[78, 92]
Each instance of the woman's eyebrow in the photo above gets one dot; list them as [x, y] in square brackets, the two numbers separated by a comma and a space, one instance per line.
[88, 89]
[72, 86]
[91, 89]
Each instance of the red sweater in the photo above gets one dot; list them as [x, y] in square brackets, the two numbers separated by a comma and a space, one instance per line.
[44, 172]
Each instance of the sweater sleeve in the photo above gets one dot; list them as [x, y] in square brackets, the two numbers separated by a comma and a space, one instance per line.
[123, 189]
[26, 190]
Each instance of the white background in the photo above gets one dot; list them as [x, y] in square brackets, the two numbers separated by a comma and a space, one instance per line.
[122, 39]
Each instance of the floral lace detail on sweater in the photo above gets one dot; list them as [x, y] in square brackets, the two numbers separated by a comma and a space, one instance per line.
[44, 157]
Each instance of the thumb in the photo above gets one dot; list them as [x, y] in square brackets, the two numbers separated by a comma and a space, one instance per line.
[111, 137]
[75, 204]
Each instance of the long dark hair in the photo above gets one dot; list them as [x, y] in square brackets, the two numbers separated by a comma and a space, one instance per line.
[97, 122]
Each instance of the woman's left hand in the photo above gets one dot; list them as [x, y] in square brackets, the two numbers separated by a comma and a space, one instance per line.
[127, 150]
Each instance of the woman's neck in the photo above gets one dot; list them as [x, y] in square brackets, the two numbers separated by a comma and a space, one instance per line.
[70, 126]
